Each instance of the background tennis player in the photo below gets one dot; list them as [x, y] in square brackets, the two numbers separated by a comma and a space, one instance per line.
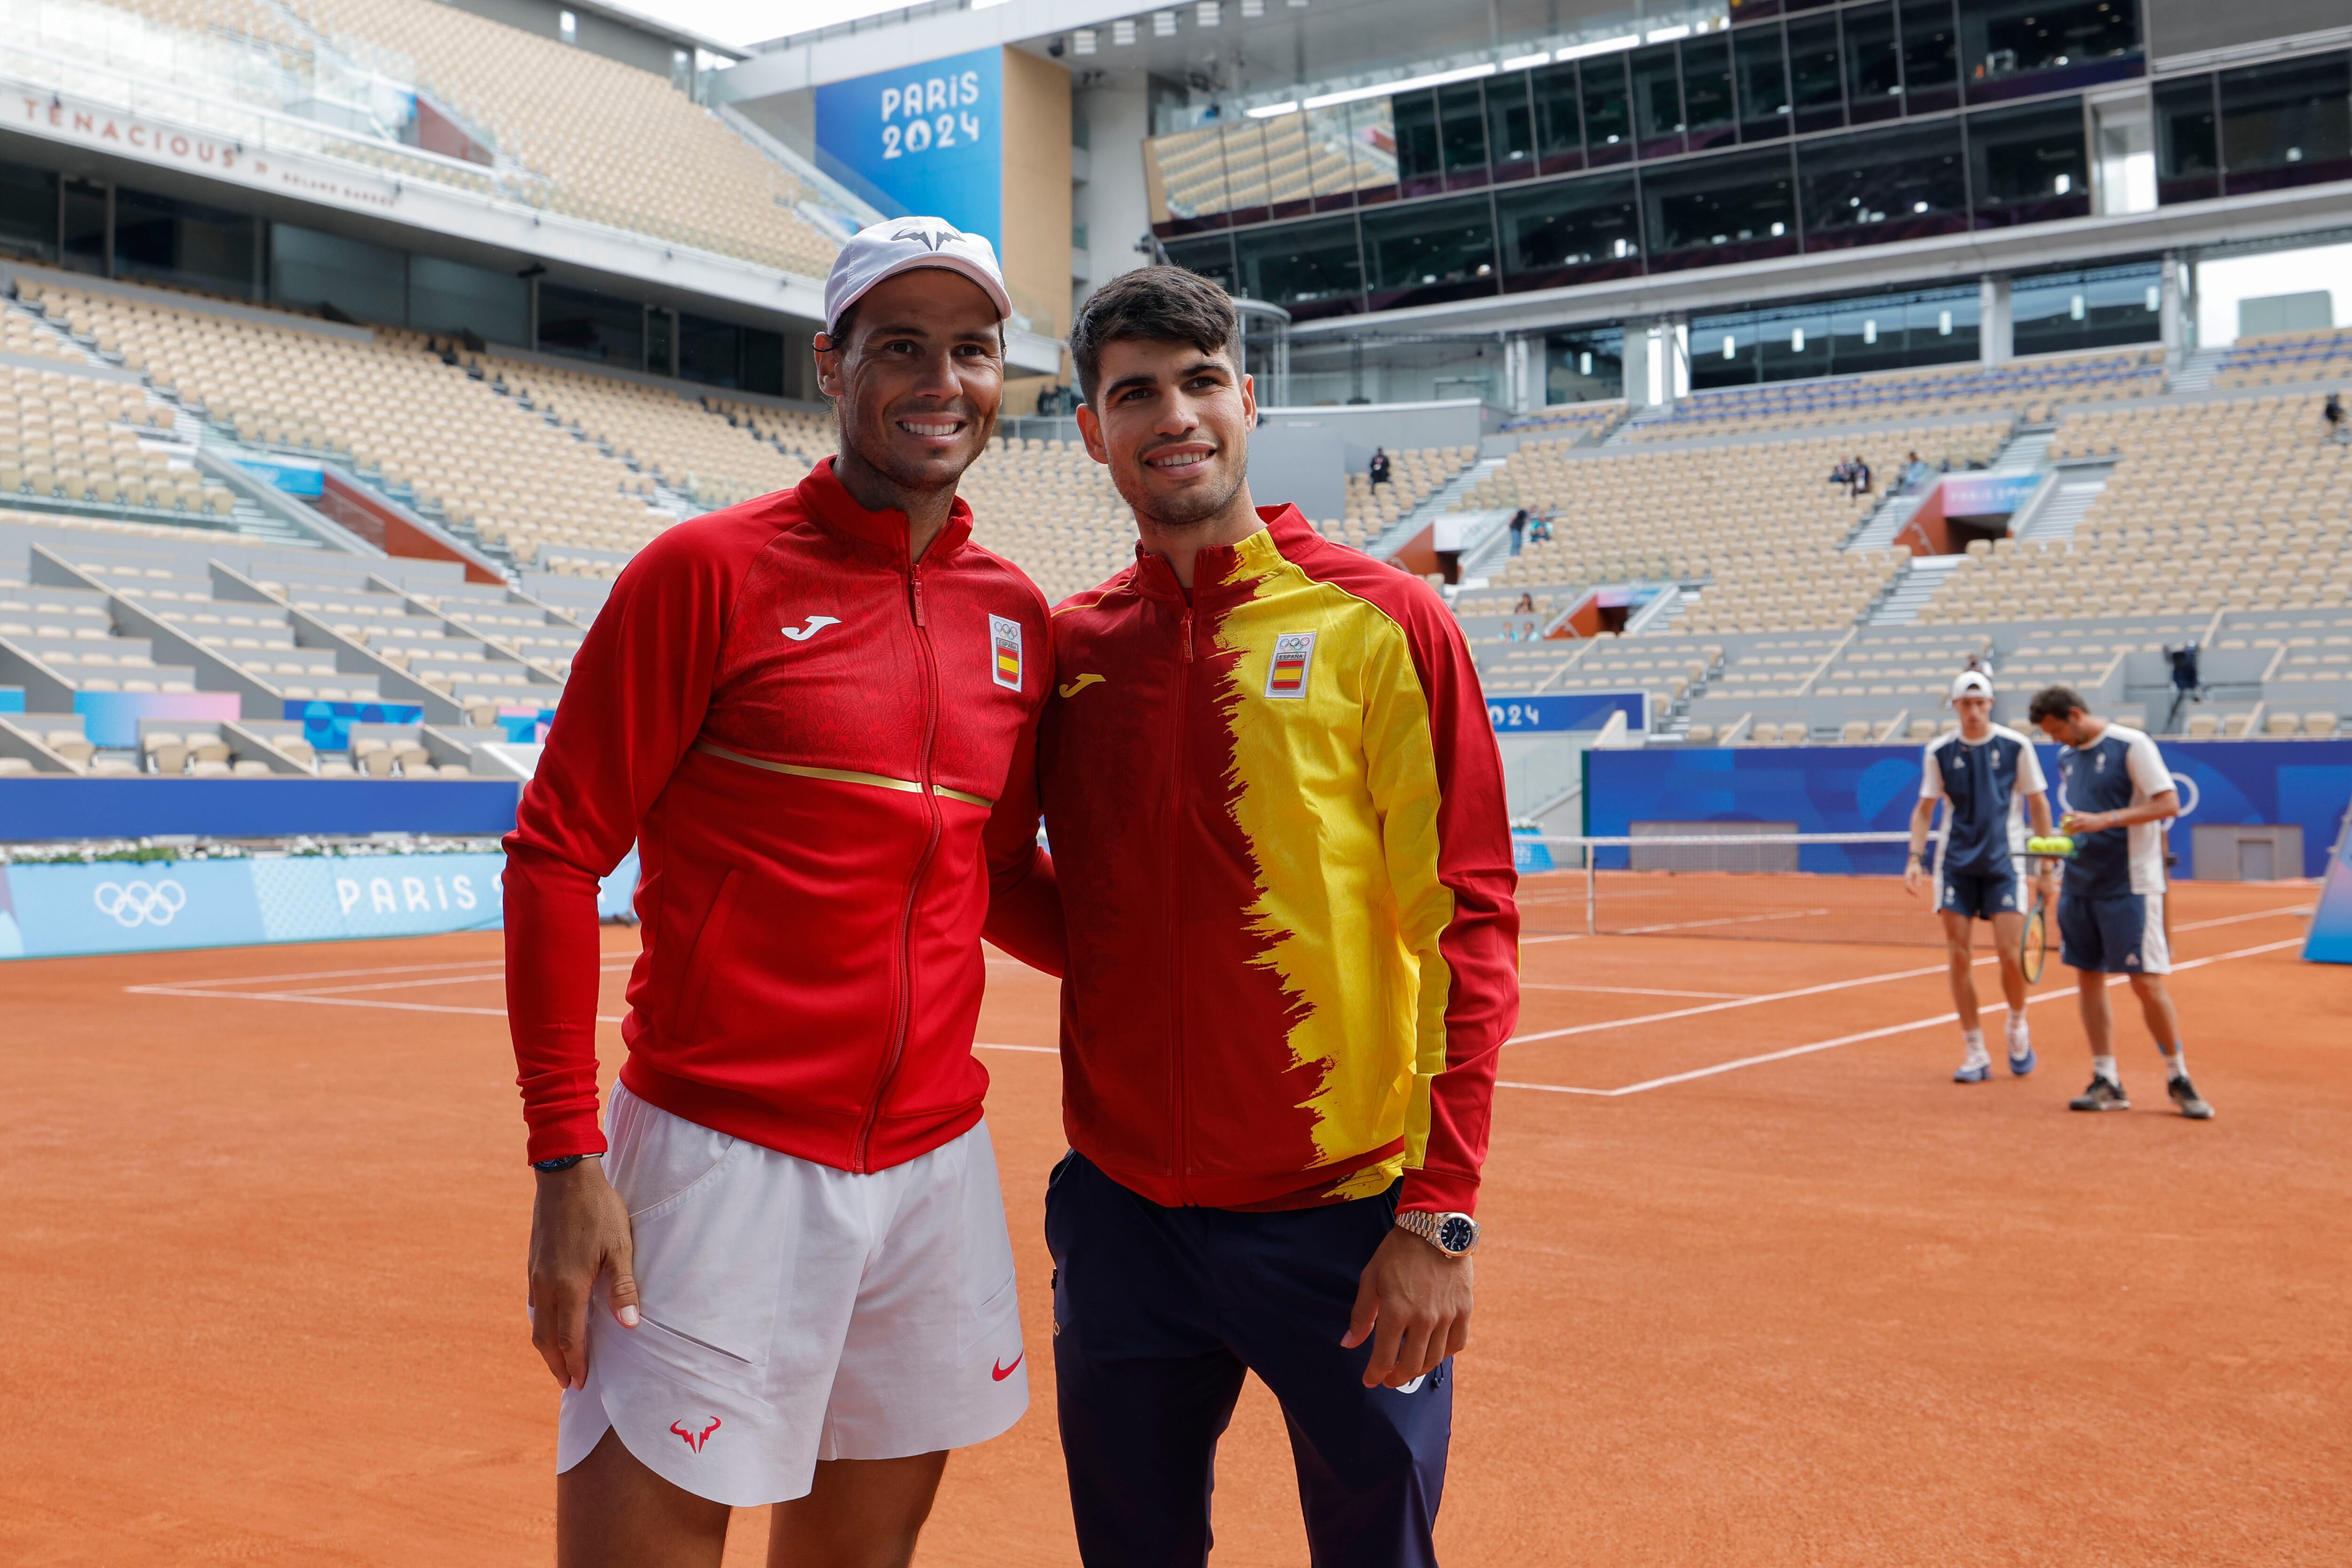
[1989, 779]
[2116, 791]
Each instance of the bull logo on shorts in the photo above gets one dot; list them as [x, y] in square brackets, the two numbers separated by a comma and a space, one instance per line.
[694, 1440]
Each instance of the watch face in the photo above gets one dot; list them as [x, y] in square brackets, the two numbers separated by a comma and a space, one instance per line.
[1456, 1233]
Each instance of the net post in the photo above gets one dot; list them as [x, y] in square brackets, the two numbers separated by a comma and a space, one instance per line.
[1591, 894]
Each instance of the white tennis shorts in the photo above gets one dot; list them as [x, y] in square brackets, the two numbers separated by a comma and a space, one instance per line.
[792, 1312]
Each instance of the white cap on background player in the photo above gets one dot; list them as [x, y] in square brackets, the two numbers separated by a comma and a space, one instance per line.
[902, 244]
[1971, 683]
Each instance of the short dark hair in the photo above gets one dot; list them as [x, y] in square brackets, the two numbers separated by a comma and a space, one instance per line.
[2055, 702]
[1156, 304]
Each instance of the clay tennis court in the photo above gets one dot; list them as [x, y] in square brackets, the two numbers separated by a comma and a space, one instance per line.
[1762, 1286]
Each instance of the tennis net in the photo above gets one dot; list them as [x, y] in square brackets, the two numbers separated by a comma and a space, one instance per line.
[1763, 887]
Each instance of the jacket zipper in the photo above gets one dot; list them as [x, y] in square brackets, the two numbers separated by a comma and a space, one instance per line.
[1180, 1162]
[905, 998]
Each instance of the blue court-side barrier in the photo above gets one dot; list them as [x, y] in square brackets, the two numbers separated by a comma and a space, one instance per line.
[1856, 789]
[2331, 928]
[51, 911]
[1529, 853]
[33, 809]
[12, 699]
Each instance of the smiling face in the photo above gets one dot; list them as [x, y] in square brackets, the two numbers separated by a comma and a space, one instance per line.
[917, 383]
[1173, 421]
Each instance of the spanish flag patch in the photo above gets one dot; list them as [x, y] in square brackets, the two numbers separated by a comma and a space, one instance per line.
[1294, 652]
[1004, 643]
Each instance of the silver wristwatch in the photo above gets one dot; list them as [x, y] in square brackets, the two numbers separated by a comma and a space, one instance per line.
[1451, 1234]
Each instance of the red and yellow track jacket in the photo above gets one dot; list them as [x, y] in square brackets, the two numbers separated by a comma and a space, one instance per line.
[807, 735]
[1284, 865]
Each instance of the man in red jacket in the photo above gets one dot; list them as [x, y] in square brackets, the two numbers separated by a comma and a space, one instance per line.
[803, 710]
[1282, 857]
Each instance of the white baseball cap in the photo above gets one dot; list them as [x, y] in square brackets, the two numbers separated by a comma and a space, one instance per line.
[902, 244]
[1971, 683]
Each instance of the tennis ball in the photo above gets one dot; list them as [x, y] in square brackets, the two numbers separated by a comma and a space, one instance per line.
[2056, 843]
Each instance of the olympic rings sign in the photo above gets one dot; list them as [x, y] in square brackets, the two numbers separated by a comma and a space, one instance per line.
[135, 903]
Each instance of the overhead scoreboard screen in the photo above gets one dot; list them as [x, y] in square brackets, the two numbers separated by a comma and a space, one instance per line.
[924, 138]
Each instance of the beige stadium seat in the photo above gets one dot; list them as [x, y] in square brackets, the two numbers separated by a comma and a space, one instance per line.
[1701, 734]
[2203, 726]
[1855, 731]
[2283, 724]
[2319, 723]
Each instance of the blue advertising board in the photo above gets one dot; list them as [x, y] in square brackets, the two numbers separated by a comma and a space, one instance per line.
[1564, 712]
[2331, 928]
[1986, 495]
[62, 910]
[327, 726]
[924, 139]
[1870, 789]
[295, 479]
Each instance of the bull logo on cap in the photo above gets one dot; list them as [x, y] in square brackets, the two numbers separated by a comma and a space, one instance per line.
[930, 233]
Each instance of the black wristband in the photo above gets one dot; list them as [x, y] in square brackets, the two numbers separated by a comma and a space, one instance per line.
[560, 1162]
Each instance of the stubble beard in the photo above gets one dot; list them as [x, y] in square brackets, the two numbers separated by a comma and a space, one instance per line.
[1191, 510]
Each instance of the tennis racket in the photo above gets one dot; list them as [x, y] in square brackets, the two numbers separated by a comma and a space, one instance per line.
[2036, 949]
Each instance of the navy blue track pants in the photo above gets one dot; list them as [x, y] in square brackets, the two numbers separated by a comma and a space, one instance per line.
[1159, 1313]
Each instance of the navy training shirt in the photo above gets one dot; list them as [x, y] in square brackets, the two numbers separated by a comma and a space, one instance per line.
[2121, 768]
[1983, 784]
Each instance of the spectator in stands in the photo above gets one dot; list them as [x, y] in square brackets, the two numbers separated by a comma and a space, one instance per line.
[1917, 475]
[1842, 477]
[1319, 1243]
[2333, 412]
[1527, 604]
[814, 1339]
[1379, 468]
[1518, 528]
[2118, 795]
[1861, 476]
[1527, 632]
[1540, 529]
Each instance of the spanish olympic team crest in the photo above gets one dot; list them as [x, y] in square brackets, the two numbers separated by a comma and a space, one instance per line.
[1005, 651]
[1294, 654]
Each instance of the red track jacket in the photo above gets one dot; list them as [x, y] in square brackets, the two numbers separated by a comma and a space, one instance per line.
[1284, 868]
[806, 736]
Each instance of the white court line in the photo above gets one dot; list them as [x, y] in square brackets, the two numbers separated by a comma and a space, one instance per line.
[329, 1000]
[1756, 1001]
[1879, 1033]
[384, 970]
[1763, 997]
[1626, 990]
[316, 1000]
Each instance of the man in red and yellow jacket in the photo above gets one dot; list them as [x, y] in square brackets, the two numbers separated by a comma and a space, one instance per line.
[1284, 869]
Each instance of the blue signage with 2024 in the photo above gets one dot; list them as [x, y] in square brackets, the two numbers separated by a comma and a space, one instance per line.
[926, 139]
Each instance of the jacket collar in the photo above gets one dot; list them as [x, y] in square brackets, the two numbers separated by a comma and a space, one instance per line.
[1214, 569]
[879, 532]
